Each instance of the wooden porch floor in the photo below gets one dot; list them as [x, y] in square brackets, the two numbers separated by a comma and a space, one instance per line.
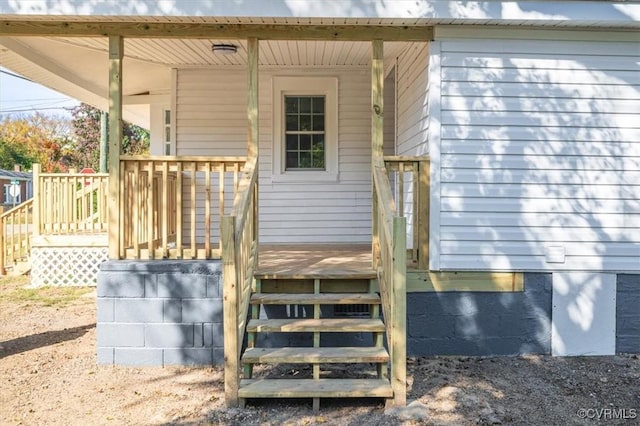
[316, 259]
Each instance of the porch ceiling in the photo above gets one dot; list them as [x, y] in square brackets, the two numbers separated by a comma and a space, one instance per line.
[78, 66]
[197, 52]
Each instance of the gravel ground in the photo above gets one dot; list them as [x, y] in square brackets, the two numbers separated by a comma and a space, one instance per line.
[50, 376]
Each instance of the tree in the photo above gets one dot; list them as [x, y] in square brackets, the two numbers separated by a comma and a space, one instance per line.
[86, 129]
[36, 138]
[14, 154]
[86, 132]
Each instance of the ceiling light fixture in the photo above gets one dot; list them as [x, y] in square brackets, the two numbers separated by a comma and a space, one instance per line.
[224, 49]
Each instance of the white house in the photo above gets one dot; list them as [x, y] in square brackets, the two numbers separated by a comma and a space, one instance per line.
[528, 111]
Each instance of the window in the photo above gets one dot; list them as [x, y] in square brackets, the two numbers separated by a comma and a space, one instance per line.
[305, 129]
[304, 132]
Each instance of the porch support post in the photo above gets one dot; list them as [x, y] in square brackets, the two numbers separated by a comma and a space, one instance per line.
[253, 50]
[377, 89]
[252, 102]
[116, 51]
[377, 132]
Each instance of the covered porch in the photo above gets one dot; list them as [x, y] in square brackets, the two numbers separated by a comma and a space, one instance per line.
[208, 197]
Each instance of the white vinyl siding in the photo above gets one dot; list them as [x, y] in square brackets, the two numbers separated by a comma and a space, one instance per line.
[211, 120]
[539, 154]
[413, 107]
[412, 115]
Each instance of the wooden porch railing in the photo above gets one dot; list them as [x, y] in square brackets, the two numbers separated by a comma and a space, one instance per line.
[169, 205]
[390, 260]
[15, 235]
[411, 178]
[240, 260]
[69, 203]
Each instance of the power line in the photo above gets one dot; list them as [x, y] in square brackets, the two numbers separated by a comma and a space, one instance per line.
[59, 99]
[10, 111]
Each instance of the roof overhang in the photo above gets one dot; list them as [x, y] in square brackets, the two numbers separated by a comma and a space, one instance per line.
[335, 12]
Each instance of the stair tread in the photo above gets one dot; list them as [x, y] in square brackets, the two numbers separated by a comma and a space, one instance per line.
[316, 355]
[320, 273]
[322, 324]
[310, 388]
[310, 299]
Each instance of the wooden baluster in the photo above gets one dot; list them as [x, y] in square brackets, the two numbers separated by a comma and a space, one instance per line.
[164, 209]
[207, 210]
[221, 189]
[150, 210]
[400, 204]
[193, 211]
[179, 224]
[415, 223]
[136, 186]
[47, 212]
[124, 224]
[236, 171]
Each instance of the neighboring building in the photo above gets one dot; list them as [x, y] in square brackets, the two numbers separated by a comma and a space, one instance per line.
[528, 110]
[17, 187]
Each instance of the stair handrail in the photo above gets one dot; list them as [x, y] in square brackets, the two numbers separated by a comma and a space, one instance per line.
[390, 261]
[15, 235]
[239, 241]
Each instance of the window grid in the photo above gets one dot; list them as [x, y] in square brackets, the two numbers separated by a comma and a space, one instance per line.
[304, 132]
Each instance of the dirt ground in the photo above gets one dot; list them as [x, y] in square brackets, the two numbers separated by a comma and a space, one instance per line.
[49, 376]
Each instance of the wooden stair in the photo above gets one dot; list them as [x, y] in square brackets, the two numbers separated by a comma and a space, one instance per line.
[317, 292]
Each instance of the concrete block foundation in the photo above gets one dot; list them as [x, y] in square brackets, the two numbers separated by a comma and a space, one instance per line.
[160, 313]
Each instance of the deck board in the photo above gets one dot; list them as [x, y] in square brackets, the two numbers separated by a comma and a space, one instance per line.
[316, 355]
[310, 325]
[309, 388]
[310, 299]
[315, 260]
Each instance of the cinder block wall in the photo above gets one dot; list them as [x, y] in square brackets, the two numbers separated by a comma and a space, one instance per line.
[482, 323]
[160, 313]
[628, 314]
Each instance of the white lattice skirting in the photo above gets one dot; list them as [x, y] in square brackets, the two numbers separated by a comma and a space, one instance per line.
[66, 266]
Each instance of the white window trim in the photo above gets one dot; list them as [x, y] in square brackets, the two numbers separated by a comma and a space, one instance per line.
[306, 86]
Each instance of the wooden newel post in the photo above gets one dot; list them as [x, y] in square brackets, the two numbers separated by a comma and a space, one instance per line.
[37, 200]
[230, 311]
[399, 313]
[2, 249]
[424, 191]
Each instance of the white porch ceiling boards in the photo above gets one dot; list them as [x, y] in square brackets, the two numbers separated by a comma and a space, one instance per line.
[78, 66]
[197, 52]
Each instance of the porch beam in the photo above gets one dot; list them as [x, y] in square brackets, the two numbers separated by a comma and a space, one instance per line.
[52, 28]
[116, 53]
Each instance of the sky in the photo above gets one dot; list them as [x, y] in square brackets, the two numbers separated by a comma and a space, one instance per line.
[20, 96]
